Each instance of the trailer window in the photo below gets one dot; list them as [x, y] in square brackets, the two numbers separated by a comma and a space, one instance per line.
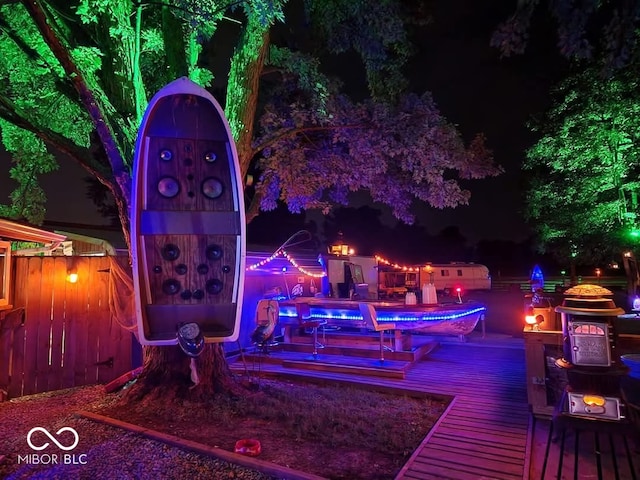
[444, 273]
[459, 273]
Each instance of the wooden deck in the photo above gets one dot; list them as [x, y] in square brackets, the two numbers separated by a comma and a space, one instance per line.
[488, 431]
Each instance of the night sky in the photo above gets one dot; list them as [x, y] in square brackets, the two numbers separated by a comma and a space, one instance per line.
[474, 89]
[480, 92]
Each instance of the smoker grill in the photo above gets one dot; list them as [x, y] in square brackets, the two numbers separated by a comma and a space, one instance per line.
[590, 356]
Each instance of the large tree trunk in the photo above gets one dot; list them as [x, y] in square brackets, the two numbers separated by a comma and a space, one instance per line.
[243, 88]
[167, 375]
[633, 276]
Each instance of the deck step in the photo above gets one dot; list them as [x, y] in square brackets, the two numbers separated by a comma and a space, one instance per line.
[304, 360]
[388, 369]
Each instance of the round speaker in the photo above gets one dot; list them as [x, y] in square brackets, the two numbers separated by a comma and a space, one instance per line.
[168, 187]
[212, 188]
[171, 286]
[198, 294]
[213, 286]
[166, 155]
[210, 157]
[213, 252]
[181, 269]
[170, 252]
[203, 269]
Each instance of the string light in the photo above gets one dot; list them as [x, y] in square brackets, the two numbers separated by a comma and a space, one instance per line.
[282, 253]
[293, 262]
[262, 263]
[404, 268]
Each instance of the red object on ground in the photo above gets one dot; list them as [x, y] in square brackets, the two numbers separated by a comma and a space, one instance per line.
[249, 447]
[114, 385]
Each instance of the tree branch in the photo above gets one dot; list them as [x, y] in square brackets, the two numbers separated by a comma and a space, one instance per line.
[295, 131]
[9, 113]
[90, 103]
[253, 209]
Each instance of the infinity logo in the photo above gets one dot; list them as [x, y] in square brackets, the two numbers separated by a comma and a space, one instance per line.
[46, 432]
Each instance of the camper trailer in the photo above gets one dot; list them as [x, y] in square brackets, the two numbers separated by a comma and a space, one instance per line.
[368, 278]
[447, 277]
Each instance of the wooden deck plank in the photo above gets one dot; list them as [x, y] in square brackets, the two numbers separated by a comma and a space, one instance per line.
[608, 458]
[459, 458]
[482, 436]
[587, 455]
[486, 426]
[445, 444]
[623, 456]
[538, 454]
[461, 471]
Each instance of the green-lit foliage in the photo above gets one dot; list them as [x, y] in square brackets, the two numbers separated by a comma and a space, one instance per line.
[584, 167]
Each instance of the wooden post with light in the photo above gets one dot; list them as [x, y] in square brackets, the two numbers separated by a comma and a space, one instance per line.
[340, 247]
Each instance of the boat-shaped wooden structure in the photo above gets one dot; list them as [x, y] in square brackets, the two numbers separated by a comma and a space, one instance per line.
[438, 319]
[187, 219]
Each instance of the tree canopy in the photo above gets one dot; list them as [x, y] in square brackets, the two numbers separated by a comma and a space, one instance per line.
[588, 30]
[583, 195]
[77, 76]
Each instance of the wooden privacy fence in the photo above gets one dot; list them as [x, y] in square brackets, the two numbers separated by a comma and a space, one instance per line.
[60, 334]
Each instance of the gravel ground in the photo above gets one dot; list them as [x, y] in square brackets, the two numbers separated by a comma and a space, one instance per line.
[102, 452]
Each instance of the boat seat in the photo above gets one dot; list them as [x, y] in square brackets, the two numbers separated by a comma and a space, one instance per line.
[303, 311]
[267, 315]
[370, 318]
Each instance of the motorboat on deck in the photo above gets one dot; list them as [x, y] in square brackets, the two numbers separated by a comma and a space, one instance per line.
[437, 319]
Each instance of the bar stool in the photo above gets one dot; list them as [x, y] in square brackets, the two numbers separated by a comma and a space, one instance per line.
[371, 320]
[303, 311]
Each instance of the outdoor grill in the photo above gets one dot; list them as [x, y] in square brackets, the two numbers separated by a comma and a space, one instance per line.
[590, 357]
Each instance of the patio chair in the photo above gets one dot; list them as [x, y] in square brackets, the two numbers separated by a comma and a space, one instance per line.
[370, 317]
[303, 311]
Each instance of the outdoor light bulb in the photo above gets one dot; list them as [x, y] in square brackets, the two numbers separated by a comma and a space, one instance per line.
[594, 400]
[72, 276]
[529, 316]
[636, 303]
